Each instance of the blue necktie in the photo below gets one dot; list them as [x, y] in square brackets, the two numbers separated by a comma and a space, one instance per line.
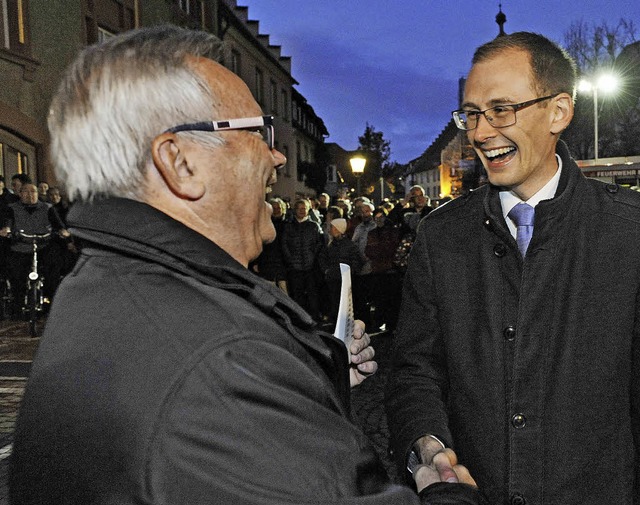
[522, 214]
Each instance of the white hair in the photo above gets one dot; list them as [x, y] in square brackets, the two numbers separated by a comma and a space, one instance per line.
[116, 97]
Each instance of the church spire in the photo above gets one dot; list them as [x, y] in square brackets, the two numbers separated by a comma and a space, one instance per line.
[501, 19]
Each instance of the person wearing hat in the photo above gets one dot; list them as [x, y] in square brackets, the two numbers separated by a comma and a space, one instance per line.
[339, 250]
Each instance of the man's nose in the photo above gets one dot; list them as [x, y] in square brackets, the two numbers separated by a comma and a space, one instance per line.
[279, 158]
[483, 130]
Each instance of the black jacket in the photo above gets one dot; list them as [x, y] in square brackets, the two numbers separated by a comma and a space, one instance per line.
[529, 369]
[169, 374]
[301, 244]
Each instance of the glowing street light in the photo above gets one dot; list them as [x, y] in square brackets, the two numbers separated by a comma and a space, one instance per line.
[358, 163]
[607, 83]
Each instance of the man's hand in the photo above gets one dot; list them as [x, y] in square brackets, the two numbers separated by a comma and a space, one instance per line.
[362, 364]
[64, 233]
[440, 465]
[4, 232]
[444, 467]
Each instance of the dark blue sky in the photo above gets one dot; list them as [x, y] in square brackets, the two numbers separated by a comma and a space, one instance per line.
[396, 63]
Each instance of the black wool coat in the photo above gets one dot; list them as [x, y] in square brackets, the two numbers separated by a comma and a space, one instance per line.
[529, 368]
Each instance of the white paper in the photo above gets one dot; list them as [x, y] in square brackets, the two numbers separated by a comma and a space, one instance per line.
[344, 323]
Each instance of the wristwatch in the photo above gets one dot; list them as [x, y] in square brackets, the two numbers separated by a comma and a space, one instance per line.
[414, 461]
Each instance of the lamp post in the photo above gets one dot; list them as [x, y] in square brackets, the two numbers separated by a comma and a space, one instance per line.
[357, 167]
[606, 83]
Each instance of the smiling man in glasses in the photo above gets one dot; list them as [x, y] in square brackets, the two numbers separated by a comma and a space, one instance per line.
[168, 372]
[518, 345]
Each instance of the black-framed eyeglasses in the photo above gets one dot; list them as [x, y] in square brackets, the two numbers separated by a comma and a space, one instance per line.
[499, 116]
[262, 124]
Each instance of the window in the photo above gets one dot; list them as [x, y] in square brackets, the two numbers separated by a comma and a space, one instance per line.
[332, 176]
[274, 97]
[16, 157]
[185, 6]
[236, 63]
[14, 28]
[298, 155]
[259, 86]
[105, 19]
[287, 166]
[195, 11]
[285, 105]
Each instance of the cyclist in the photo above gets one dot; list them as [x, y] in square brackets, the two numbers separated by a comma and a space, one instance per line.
[31, 216]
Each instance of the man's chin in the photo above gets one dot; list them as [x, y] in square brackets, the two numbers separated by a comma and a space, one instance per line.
[268, 240]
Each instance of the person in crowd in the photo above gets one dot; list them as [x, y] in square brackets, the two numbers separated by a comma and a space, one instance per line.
[384, 281]
[301, 243]
[339, 250]
[270, 264]
[43, 187]
[6, 199]
[6, 196]
[66, 248]
[168, 372]
[314, 213]
[355, 216]
[326, 309]
[409, 211]
[333, 212]
[346, 207]
[324, 202]
[361, 284]
[54, 197]
[518, 345]
[17, 180]
[31, 216]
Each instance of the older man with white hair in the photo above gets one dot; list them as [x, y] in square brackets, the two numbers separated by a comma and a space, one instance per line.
[168, 372]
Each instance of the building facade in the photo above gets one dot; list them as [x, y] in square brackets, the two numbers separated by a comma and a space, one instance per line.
[41, 37]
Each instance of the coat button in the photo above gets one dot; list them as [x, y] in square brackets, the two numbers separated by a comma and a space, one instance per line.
[612, 188]
[518, 421]
[517, 499]
[499, 250]
[509, 333]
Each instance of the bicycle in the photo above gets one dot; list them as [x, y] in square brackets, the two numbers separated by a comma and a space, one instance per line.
[34, 299]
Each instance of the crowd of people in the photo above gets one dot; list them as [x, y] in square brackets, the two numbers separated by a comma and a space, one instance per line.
[28, 209]
[315, 235]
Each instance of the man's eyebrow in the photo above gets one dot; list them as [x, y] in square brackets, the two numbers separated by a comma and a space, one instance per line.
[492, 103]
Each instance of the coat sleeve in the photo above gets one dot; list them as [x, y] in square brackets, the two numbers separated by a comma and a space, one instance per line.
[418, 382]
[242, 429]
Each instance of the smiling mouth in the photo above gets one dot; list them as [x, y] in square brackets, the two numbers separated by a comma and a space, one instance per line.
[499, 154]
[273, 178]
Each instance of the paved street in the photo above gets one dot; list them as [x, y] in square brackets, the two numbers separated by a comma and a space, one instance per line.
[16, 352]
[17, 349]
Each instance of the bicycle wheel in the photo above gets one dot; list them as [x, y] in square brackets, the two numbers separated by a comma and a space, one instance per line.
[34, 295]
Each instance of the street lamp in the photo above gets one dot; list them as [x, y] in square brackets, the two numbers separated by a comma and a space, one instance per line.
[357, 167]
[607, 83]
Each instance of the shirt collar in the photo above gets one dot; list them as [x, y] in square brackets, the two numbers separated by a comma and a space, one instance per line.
[508, 199]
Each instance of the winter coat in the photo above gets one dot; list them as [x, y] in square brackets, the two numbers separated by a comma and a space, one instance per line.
[529, 368]
[301, 244]
[341, 250]
[169, 374]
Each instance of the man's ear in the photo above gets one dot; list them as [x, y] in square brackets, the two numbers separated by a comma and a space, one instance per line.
[562, 112]
[170, 157]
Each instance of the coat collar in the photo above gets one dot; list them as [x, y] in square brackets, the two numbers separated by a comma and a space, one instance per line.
[140, 230]
[571, 179]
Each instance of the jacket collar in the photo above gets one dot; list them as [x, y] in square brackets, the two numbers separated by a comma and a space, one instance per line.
[571, 179]
[140, 230]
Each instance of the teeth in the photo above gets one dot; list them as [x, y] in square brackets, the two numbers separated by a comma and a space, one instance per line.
[498, 152]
